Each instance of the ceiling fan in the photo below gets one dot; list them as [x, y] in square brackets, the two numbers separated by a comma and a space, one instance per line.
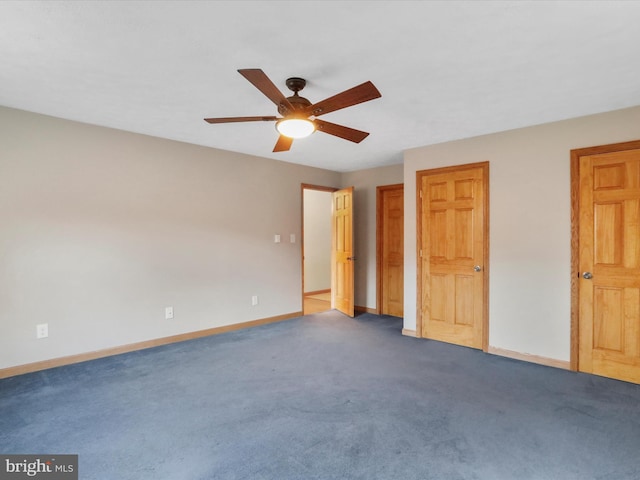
[299, 115]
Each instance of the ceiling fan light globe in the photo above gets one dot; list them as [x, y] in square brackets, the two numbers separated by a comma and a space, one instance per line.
[295, 127]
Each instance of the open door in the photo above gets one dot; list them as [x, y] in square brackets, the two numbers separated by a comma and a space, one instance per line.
[342, 282]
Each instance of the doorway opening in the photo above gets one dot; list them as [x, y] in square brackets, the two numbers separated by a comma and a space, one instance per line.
[316, 248]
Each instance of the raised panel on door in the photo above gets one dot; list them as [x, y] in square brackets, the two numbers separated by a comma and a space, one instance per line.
[439, 286]
[608, 319]
[464, 314]
[463, 234]
[438, 232]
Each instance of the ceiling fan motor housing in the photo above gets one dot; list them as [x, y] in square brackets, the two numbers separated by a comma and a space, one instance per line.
[295, 84]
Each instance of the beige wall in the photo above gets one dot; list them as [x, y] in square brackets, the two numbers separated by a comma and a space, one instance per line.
[529, 304]
[102, 229]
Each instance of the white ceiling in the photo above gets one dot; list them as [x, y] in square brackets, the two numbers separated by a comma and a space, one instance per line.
[446, 70]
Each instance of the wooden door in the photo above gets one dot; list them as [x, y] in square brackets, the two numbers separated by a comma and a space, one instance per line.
[390, 244]
[342, 259]
[609, 264]
[453, 254]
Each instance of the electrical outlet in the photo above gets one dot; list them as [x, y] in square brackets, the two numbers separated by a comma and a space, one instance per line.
[254, 300]
[292, 238]
[276, 238]
[42, 330]
[168, 313]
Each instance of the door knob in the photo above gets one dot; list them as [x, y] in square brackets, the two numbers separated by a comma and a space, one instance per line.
[351, 258]
[587, 275]
[477, 268]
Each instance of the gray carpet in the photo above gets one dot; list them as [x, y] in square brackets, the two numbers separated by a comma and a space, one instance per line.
[324, 397]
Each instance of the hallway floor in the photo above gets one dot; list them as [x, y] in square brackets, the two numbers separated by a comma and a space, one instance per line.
[318, 302]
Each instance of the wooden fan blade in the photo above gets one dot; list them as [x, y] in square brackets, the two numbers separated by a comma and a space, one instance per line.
[283, 144]
[362, 93]
[260, 80]
[240, 119]
[341, 131]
